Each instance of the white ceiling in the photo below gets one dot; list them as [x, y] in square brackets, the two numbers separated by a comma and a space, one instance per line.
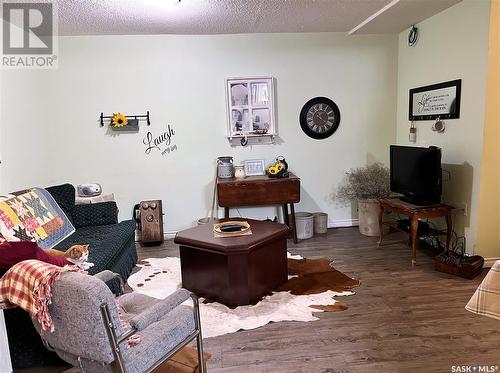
[403, 13]
[96, 17]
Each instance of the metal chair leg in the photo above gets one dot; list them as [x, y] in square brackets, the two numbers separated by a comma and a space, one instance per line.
[113, 340]
[199, 338]
[201, 358]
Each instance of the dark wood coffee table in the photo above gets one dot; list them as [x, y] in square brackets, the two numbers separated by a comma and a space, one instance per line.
[234, 271]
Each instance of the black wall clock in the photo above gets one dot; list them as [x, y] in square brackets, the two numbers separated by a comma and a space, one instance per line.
[319, 118]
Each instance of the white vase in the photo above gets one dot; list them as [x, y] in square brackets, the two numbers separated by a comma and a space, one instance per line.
[368, 210]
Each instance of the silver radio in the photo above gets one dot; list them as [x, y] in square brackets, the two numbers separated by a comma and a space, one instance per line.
[89, 190]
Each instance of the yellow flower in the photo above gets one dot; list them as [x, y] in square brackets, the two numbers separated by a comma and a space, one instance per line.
[272, 170]
[119, 120]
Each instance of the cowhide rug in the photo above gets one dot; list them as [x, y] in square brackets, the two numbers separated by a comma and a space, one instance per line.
[311, 287]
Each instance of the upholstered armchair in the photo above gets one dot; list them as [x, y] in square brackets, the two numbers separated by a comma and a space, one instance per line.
[89, 334]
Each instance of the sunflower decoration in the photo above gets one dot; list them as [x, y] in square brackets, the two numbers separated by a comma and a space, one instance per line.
[119, 120]
[274, 170]
[279, 169]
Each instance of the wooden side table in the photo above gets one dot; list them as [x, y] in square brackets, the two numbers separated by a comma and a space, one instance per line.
[261, 191]
[414, 213]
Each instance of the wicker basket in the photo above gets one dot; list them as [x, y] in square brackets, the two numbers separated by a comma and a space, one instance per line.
[469, 267]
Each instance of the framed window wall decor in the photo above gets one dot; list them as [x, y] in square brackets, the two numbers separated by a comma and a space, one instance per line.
[251, 111]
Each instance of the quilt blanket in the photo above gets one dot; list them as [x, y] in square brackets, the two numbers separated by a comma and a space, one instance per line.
[34, 216]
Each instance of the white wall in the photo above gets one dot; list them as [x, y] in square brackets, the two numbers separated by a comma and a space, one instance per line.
[25, 144]
[180, 79]
[452, 45]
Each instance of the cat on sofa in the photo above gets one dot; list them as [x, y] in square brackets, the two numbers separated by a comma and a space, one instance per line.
[76, 254]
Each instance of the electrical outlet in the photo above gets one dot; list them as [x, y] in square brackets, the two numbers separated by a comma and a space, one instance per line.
[462, 207]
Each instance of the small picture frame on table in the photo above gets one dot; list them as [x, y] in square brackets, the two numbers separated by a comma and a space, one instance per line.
[255, 167]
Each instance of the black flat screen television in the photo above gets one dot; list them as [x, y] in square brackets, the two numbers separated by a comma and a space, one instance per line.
[416, 174]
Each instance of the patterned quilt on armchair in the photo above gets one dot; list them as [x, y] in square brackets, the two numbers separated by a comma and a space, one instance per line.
[34, 215]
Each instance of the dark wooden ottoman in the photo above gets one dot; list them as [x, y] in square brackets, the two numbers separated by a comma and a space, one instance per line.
[234, 271]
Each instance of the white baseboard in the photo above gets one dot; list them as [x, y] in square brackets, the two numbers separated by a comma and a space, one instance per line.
[169, 235]
[343, 223]
[488, 262]
[331, 224]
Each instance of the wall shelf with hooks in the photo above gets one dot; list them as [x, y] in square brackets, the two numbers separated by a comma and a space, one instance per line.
[130, 117]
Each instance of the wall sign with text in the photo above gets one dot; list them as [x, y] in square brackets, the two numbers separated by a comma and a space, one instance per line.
[435, 101]
[162, 143]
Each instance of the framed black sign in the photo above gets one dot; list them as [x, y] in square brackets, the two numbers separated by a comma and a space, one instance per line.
[434, 101]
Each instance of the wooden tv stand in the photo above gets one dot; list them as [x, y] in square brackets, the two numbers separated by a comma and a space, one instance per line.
[414, 213]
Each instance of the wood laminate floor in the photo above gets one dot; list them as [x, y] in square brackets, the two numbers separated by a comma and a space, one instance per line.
[401, 319]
